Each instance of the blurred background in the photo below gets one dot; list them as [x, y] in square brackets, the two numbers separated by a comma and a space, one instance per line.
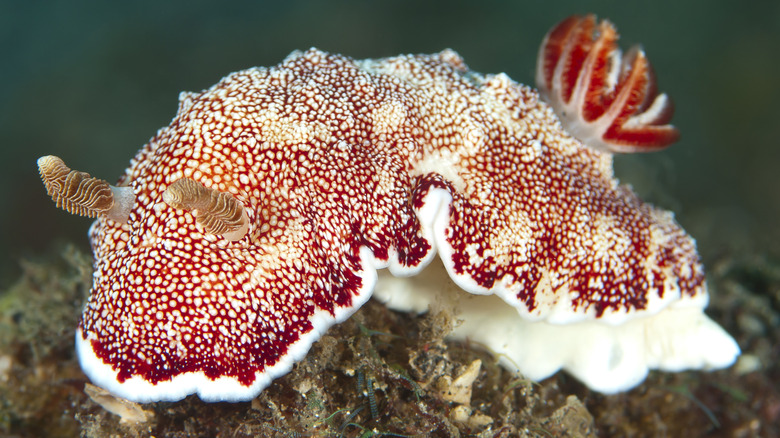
[92, 81]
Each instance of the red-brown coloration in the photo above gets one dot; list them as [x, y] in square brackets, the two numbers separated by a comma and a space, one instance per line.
[329, 155]
[607, 102]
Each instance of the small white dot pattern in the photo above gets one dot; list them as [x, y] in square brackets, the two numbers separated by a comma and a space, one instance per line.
[329, 155]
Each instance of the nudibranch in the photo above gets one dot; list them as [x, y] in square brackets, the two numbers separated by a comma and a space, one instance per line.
[263, 213]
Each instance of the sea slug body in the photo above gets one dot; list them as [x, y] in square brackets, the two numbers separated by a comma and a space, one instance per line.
[262, 214]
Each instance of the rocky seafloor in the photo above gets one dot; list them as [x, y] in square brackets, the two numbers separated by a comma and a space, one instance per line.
[384, 373]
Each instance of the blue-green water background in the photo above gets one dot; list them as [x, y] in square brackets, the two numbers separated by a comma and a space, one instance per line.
[92, 81]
